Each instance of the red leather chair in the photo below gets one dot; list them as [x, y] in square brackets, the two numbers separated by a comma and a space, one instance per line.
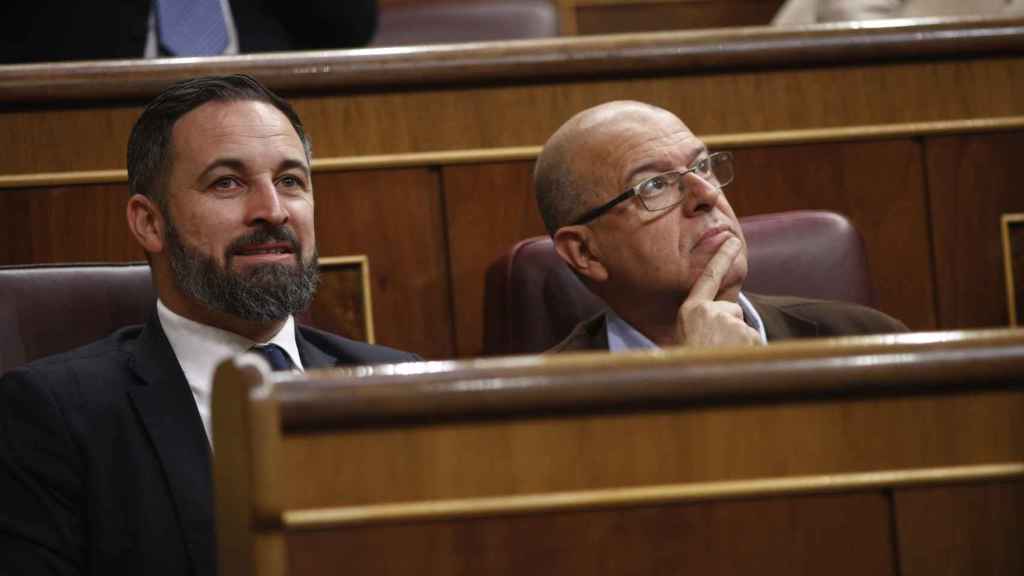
[52, 308]
[477, 21]
[533, 300]
[47, 309]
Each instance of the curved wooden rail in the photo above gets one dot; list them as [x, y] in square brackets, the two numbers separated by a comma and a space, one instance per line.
[353, 71]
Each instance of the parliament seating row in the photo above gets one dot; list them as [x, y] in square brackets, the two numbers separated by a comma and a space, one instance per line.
[51, 309]
[910, 131]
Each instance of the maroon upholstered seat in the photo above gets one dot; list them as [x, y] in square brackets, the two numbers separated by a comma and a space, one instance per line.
[53, 308]
[47, 309]
[477, 21]
[533, 300]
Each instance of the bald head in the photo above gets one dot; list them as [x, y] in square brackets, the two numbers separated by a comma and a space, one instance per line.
[568, 177]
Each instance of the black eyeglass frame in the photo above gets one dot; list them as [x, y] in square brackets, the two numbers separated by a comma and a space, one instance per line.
[594, 213]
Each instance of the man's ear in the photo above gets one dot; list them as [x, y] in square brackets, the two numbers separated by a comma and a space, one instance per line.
[577, 246]
[146, 223]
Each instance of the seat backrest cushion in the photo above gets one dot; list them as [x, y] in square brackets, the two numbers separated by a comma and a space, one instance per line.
[533, 300]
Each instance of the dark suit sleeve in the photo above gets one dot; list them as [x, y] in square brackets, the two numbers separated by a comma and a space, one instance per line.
[40, 480]
[327, 24]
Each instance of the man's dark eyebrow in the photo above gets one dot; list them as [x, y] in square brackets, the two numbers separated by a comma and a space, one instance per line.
[653, 164]
[239, 166]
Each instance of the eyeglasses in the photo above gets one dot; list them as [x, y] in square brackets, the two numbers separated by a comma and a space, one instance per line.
[666, 190]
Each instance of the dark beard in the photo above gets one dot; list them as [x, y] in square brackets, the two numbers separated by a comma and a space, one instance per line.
[268, 292]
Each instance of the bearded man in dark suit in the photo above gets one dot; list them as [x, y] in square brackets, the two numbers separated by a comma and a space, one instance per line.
[105, 456]
[634, 203]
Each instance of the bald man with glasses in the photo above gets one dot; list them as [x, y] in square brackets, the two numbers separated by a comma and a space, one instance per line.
[634, 202]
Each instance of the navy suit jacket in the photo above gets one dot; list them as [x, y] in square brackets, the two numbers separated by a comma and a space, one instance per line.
[57, 30]
[104, 463]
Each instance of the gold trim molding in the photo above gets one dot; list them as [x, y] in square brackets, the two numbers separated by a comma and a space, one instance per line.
[320, 518]
[363, 262]
[520, 153]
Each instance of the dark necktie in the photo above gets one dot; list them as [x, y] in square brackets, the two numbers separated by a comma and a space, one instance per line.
[191, 27]
[275, 356]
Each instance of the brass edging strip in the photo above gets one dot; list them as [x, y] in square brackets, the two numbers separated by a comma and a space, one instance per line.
[518, 153]
[364, 271]
[320, 518]
[1008, 220]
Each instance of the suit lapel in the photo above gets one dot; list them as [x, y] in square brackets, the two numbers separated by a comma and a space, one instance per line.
[779, 323]
[168, 412]
[312, 357]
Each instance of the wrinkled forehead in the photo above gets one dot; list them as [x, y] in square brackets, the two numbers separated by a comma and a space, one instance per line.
[622, 144]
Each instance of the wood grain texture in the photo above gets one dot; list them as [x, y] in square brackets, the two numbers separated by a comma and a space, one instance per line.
[462, 460]
[488, 207]
[437, 115]
[878, 185]
[396, 219]
[966, 529]
[619, 17]
[846, 534]
[339, 304]
[484, 64]
[66, 224]
[974, 180]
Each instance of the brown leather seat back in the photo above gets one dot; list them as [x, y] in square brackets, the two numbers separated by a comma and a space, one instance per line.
[533, 300]
[409, 24]
[53, 308]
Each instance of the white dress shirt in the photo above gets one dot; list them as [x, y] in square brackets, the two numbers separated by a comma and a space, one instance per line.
[623, 336]
[200, 349]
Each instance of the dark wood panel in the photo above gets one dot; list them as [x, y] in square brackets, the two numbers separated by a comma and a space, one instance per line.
[878, 185]
[395, 218]
[973, 181]
[489, 207]
[611, 18]
[967, 529]
[66, 224]
[846, 534]
[339, 304]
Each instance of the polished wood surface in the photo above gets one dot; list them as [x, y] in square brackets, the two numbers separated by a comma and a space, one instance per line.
[489, 207]
[820, 446]
[965, 529]
[809, 535]
[974, 181]
[396, 219]
[607, 56]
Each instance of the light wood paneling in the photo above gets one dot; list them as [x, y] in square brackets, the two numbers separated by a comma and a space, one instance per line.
[969, 529]
[716, 443]
[488, 208]
[878, 185]
[447, 118]
[66, 224]
[973, 180]
[836, 534]
[396, 219]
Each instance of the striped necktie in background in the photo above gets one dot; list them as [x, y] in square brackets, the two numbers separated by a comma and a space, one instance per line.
[191, 27]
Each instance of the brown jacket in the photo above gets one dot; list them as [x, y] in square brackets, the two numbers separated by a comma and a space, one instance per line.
[783, 316]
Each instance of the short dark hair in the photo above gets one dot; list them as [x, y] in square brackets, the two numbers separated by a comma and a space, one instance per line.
[149, 146]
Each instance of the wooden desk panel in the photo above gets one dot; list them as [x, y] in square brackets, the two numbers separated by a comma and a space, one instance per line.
[833, 534]
[78, 223]
[973, 180]
[965, 529]
[396, 219]
[489, 208]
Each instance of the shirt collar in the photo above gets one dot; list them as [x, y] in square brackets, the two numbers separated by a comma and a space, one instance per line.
[623, 336]
[200, 348]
